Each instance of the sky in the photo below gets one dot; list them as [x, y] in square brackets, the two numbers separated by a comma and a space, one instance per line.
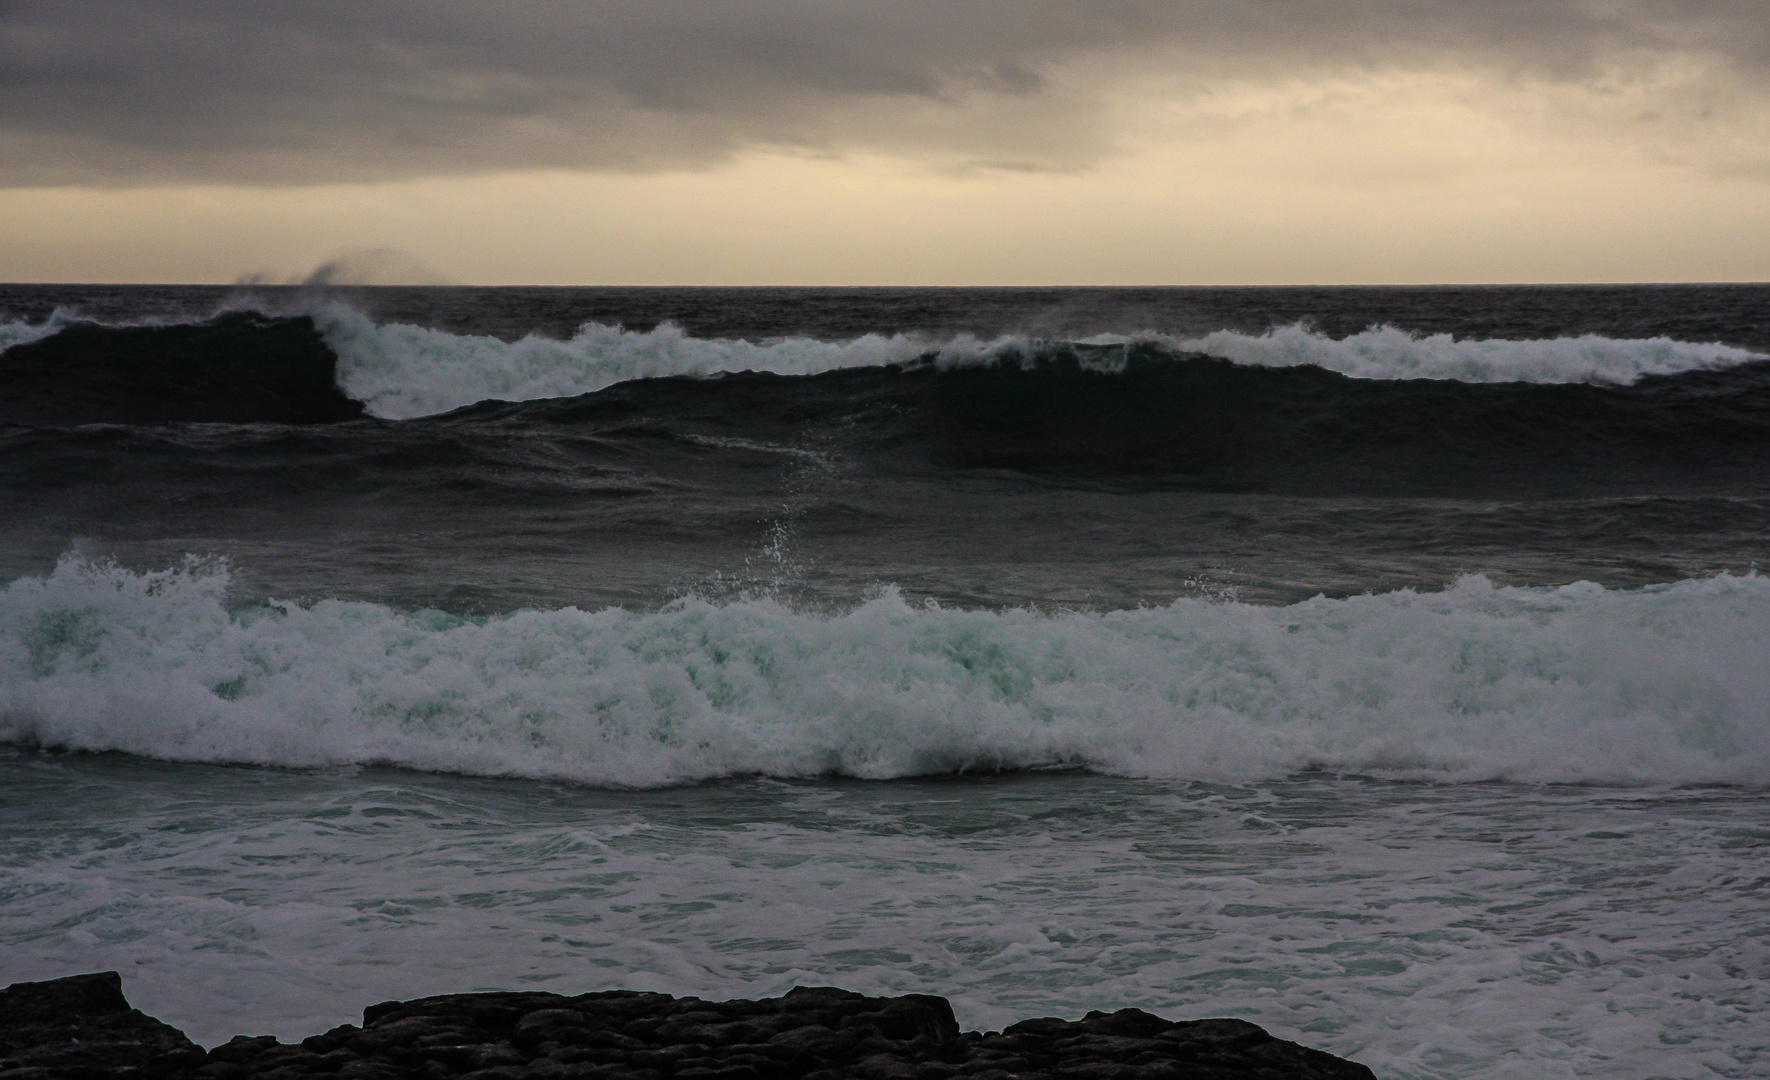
[915, 142]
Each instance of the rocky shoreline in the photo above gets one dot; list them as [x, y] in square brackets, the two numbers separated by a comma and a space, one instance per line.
[82, 1028]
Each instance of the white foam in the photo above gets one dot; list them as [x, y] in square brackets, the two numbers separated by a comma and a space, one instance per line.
[398, 370]
[21, 332]
[401, 371]
[1477, 681]
[1385, 352]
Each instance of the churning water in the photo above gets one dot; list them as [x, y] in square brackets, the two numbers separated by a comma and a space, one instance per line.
[1388, 667]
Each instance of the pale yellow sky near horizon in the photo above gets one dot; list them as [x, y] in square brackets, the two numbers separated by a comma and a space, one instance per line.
[1385, 177]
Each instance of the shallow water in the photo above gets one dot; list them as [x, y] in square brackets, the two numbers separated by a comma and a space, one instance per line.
[1488, 930]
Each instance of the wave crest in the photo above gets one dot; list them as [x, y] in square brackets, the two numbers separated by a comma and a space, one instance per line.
[1386, 352]
[401, 371]
[23, 332]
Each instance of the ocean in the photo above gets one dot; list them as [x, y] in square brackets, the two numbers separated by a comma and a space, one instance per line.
[1387, 666]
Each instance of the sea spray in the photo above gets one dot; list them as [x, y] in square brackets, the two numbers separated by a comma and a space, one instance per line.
[402, 371]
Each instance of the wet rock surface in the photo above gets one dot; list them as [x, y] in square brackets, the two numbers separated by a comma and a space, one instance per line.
[81, 1027]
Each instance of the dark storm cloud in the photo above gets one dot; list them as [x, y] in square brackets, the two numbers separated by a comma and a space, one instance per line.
[270, 91]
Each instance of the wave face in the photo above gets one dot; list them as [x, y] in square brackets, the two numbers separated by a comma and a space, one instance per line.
[236, 368]
[1577, 683]
[1385, 352]
[1193, 421]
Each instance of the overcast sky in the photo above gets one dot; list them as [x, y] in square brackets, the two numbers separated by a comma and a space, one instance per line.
[901, 141]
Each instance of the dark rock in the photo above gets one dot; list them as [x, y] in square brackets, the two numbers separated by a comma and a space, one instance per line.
[241, 1047]
[82, 1029]
[332, 1040]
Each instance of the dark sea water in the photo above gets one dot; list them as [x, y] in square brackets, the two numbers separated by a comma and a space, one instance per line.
[1388, 666]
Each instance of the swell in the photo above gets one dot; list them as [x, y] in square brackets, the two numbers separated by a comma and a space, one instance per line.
[1476, 682]
[1193, 421]
[1639, 414]
[1237, 427]
[401, 371]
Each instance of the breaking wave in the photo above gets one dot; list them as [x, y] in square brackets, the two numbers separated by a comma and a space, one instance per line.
[1474, 682]
[22, 332]
[401, 371]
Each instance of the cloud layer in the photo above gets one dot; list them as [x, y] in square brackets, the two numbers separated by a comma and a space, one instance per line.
[101, 92]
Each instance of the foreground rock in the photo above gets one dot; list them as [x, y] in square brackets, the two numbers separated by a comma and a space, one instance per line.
[80, 1027]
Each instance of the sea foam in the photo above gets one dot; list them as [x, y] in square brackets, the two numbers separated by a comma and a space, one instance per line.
[400, 371]
[1474, 682]
[22, 331]
[1385, 352]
